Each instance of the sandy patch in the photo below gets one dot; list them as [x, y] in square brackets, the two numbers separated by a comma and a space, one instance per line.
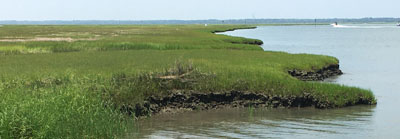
[68, 39]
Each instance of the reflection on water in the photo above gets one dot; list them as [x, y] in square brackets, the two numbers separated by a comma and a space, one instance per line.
[258, 123]
[369, 57]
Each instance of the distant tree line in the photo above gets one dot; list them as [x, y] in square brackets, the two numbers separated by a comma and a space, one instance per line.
[210, 21]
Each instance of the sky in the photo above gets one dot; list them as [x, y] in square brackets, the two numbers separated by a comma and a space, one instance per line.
[193, 9]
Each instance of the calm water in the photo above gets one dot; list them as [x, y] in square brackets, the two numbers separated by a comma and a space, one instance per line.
[370, 58]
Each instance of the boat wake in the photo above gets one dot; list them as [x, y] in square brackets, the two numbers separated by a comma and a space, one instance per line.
[341, 26]
[361, 27]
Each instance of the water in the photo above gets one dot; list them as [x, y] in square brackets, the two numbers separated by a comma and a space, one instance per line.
[369, 57]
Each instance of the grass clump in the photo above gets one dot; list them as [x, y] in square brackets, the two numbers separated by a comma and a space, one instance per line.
[127, 90]
[56, 108]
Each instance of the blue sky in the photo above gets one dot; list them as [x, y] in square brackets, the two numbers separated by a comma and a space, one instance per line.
[193, 9]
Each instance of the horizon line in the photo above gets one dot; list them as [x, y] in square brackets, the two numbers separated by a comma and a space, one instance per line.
[200, 19]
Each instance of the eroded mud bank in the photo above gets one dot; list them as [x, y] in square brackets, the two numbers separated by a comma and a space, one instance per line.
[178, 101]
[189, 101]
[319, 75]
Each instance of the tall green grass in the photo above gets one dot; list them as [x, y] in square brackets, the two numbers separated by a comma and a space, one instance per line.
[57, 107]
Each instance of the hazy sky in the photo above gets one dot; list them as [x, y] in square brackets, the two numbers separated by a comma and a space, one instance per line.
[193, 9]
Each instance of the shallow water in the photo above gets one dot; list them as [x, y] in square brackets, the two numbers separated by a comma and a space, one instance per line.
[369, 57]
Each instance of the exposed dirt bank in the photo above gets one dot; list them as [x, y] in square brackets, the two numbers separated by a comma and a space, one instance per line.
[178, 101]
[189, 101]
[319, 75]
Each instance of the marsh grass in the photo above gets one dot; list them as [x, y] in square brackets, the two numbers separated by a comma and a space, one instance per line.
[47, 93]
[80, 94]
[127, 90]
[56, 107]
[239, 70]
[125, 37]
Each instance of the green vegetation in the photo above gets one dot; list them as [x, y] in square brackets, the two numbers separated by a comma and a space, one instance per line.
[50, 108]
[54, 87]
[47, 39]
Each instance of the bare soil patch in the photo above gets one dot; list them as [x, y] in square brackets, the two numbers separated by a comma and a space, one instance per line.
[67, 39]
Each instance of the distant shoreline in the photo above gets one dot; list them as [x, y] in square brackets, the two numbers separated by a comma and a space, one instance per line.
[206, 21]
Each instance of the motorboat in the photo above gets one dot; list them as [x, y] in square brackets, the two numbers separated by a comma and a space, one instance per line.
[335, 24]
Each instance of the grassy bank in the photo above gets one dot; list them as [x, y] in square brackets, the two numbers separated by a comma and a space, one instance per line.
[76, 88]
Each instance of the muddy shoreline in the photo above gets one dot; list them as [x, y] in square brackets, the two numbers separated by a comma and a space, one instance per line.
[191, 101]
[178, 101]
[319, 75]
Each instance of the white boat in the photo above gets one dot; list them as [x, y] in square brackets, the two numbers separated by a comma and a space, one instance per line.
[398, 24]
[336, 25]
